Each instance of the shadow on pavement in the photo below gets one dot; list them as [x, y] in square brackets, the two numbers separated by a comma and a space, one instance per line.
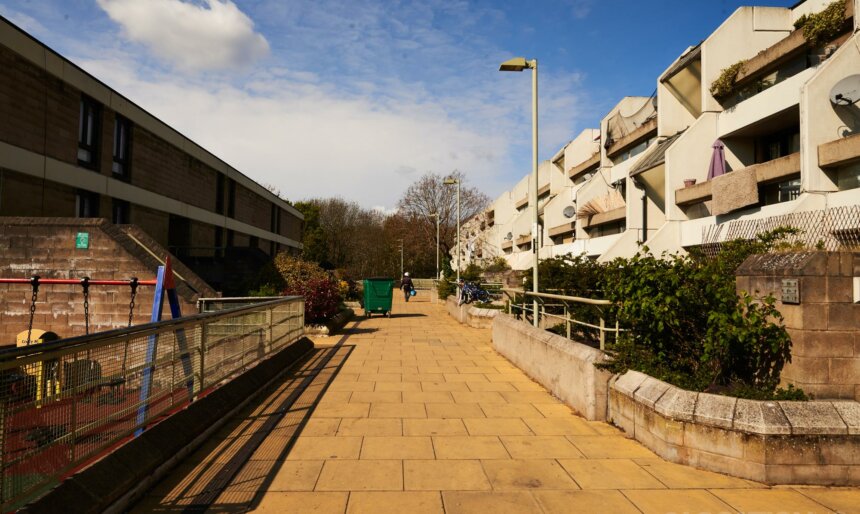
[230, 471]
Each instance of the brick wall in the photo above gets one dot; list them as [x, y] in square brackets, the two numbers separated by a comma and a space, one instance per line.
[824, 326]
[41, 113]
[46, 247]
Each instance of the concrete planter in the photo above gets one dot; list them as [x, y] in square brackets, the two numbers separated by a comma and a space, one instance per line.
[814, 443]
[566, 368]
[471, 315]
[331, 326]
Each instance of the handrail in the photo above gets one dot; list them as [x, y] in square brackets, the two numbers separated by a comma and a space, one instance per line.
[64, 403]
[566, 317]
[23, 354]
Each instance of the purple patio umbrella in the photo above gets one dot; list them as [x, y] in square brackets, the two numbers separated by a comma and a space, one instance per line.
[718, 160]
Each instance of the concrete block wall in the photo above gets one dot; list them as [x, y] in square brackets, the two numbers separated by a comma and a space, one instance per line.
[46, 247]
[824, 326]
[814, 443]
[566, 368]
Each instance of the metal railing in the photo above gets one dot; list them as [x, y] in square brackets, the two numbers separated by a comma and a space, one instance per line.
[65, 403]
[549, 302]
[220, 304]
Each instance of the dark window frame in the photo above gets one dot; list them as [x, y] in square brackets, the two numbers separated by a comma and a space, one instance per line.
[120, 212]
[122, 134]
[87, 204]
[89, 133]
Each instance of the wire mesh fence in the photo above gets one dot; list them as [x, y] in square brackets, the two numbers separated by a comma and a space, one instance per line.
[65, 403]
[836, 228]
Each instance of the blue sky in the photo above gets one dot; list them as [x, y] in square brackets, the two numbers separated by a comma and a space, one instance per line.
[357, 98]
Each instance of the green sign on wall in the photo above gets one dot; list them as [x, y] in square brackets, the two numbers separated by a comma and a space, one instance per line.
[82, 240]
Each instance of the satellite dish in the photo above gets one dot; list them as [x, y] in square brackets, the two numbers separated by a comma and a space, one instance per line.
[588, 176]
[569, 211]
[846, 91]
[509, 236]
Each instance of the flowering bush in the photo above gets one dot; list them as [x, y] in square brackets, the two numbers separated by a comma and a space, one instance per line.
[303, 278]
[322, 298]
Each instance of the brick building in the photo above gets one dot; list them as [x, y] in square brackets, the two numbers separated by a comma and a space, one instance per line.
[72, 147]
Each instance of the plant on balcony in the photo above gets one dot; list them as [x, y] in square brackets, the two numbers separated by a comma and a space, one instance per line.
[724, 85]
[599, 204]
[822, 26]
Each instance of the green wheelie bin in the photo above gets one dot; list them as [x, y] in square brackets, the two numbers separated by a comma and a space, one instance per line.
[377, 296]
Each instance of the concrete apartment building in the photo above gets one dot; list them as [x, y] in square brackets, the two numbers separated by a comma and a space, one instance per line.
[70, 146]
[792, 152]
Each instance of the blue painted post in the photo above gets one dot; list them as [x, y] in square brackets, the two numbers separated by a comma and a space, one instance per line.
[151, 349]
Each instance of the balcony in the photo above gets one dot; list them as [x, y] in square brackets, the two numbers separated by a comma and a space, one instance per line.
[563, 229]
[775, 105]
[507, 245]
[645, 130]
[605, 218]
[771, 59]
[839, 153]
[769, 172]
[524, 239]
[582, 168]
[522, 203]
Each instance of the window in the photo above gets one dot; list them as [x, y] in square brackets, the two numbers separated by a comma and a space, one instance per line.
[119, 212]
[88, 133]
[121, 147]
[87, 205]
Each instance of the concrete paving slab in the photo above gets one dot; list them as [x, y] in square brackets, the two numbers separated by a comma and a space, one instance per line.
[444, 475]
[411, 502]
[566, 502]
[527, 474]
[769, 500]
[426, 413]
[497, 503]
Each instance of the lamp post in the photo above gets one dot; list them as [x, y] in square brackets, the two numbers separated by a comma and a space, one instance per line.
[436, 215]
[520, 64]
[449, 182]
[401, 258]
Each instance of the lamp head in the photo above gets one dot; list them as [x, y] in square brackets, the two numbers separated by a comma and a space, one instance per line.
[515, 64]
[450, 181]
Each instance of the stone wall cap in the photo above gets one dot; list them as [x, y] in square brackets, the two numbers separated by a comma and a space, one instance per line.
[760, 417]
[650, 391]
[850, 413]
[715, 410]
[813, 418]
[628, 383]
[678, 404]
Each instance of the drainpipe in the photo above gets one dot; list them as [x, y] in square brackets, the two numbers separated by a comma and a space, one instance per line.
[641, 185]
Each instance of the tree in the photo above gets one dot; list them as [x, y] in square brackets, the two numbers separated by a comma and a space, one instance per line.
[429, 195]
[313, 237]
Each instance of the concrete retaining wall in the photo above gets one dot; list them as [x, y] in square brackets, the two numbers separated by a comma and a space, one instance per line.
[566, 368]
[471, 315]
[815, 443]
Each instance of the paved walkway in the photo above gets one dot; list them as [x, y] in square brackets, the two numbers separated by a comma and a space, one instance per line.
[418, 414]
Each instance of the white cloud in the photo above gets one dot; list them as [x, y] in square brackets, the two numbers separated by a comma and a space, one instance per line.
[215, 35]
[310, 141]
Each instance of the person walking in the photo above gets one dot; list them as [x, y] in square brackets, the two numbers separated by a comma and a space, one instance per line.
[406, 286]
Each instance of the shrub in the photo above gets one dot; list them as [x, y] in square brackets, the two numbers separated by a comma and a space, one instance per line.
[688, 326]
[497, 265]
[822, 26]
[724, 85]
[308, 279]
[322, 298]
[472, 273]
[445, 288]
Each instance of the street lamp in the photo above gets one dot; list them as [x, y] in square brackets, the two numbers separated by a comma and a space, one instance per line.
[520, 64]
[401, 258]
[436, 215]
[450, 182]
